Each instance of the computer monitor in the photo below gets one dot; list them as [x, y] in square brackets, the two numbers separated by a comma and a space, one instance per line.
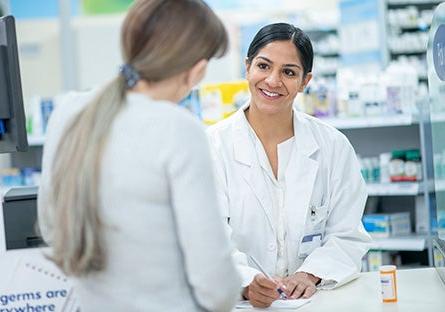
[12, 115]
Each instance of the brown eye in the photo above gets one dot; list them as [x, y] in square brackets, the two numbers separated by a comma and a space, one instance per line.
[262, 66]
[289, 72]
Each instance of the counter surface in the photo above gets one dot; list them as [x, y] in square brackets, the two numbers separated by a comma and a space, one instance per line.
[419, 290]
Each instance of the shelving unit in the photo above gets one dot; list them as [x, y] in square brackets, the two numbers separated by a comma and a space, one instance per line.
[407, 29]
[371, 136]
[401, 243]
[403, 3]
[394, 189]
[371, 122]
[326, 50]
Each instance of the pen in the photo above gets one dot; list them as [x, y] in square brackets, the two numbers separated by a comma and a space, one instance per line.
[258, 265]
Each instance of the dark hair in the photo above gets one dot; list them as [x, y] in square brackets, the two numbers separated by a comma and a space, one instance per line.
[283, 32]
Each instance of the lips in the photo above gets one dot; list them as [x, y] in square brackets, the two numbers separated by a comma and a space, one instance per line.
[269, 94]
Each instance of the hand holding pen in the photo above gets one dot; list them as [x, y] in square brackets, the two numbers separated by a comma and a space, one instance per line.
[263, 290]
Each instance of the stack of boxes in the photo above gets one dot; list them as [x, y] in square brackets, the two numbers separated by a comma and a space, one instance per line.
[387, 224]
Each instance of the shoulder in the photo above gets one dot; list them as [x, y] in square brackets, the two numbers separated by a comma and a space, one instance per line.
[325, 134]
[223, 130]
[67, 106]
[70, 104]
[165, 116]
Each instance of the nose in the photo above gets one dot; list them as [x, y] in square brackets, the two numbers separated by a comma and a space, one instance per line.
[273, 80]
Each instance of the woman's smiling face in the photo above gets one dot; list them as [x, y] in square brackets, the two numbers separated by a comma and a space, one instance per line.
[275, 77]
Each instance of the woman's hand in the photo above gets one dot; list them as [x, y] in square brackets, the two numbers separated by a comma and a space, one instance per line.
[262, 291]
[300, 284]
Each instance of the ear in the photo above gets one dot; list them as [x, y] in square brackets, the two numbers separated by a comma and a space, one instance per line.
[196, 73]
[306, 80]
[247, 64]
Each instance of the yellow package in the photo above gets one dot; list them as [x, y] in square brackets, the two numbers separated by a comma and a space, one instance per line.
[220, 100]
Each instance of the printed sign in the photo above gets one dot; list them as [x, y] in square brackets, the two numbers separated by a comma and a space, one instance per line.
[439, 52]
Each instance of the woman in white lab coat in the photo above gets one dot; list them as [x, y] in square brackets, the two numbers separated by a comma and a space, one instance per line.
[289, 184]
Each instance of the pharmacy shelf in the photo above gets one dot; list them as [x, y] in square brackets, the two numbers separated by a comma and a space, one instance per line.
[411, 27]
[326, 72]
[327, 54]
[439, 185]
[438, 117]
[393, 189]
[371, 122]
[414, 2]
[404, 243]
[36, 140]
[408, 52]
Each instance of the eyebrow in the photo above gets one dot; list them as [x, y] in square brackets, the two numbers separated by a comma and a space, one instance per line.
[285, 65]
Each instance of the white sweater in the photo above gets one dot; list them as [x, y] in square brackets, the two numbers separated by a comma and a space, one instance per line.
[165, 241]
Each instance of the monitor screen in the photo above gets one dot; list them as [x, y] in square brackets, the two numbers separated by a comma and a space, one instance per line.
[12, 116]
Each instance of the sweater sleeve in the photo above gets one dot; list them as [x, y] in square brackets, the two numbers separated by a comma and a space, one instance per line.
[207, 255]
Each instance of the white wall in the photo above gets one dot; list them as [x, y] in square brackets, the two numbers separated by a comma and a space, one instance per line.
[39, 56]
[98, 53]
[312, 4]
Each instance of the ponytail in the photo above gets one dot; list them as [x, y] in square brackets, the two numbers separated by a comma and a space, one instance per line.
[78, 246]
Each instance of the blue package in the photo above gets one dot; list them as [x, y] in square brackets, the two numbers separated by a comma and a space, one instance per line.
[192, 103]
[46, 107]
[2, 127]
[375, 223]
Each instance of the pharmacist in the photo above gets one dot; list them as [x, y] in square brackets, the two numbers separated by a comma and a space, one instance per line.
[290, 185]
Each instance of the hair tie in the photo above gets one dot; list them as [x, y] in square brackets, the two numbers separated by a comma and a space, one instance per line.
[130, 74]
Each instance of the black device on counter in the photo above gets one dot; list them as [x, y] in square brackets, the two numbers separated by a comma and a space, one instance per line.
[20, 216]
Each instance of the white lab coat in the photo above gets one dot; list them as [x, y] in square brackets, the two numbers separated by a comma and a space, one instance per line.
[325, 199]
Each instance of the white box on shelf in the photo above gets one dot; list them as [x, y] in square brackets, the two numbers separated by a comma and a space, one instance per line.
[422, 216]
[400, 223]
[378, 258]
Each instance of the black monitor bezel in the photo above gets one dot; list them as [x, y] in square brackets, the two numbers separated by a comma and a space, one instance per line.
[15, 138]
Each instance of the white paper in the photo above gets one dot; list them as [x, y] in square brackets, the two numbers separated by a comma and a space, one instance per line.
[36, 284]
[278, 304]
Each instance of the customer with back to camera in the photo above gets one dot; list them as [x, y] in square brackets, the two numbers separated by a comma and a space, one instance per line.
[127, 197]
[290, 185]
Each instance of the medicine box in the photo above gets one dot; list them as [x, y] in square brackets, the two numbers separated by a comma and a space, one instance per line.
[388, 224]
[375, 259]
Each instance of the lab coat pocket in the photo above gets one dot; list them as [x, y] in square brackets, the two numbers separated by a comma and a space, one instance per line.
[314, 230]
[317, 218]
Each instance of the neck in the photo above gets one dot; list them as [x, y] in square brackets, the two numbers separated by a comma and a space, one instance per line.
[165, 90]
[274, 128]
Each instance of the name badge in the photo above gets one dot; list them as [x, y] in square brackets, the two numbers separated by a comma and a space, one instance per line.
[309, 243]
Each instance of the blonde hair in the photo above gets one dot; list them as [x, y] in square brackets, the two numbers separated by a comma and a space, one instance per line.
[160, 38]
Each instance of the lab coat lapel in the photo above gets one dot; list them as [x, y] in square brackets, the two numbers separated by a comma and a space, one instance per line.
[250, 168]
[300, 175]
